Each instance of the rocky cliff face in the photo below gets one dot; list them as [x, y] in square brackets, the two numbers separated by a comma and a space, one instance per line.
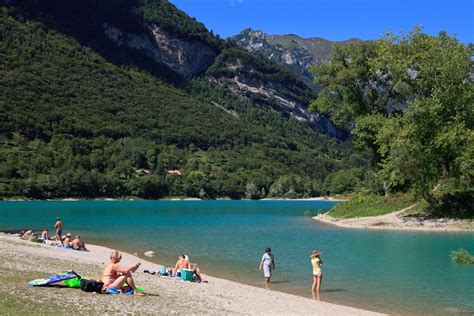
[184, 56]
[267, 94]
[295, 53]
[278, 94]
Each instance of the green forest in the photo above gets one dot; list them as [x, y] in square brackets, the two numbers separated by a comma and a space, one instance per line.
[81, 117]
[75, 125]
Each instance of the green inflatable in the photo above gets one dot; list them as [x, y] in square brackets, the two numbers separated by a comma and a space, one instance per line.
[72, 283]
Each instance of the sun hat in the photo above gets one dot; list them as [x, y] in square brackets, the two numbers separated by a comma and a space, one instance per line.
[68, 235]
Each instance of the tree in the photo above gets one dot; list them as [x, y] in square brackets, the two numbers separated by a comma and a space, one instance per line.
[410, 99]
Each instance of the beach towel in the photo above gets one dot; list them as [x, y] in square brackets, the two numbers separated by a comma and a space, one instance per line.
[54, 278]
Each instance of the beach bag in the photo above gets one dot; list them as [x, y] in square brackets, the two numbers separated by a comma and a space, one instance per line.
[91, 286]
[166, 271]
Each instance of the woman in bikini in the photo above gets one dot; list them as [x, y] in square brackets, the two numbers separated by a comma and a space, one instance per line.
[114, 276]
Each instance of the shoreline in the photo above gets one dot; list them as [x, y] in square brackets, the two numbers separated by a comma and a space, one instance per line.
[318, 198]
[217, 296]
[398, 221]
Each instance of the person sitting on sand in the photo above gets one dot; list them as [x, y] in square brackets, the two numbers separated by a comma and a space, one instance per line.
[45, 234]
[316, 262]
[67, 240]
[77, 244]
[268, 261]
[115, 276]
[181, 264]
[45, 237]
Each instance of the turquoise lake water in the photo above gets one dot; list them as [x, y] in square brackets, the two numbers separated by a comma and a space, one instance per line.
[387, 271]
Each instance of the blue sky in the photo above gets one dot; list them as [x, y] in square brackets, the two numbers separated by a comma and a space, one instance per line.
[334, 20]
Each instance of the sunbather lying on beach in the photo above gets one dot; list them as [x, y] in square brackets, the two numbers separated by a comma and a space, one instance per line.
[28, 235]
[115, 276]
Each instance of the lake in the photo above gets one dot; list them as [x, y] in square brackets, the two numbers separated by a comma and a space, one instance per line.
[387, 271]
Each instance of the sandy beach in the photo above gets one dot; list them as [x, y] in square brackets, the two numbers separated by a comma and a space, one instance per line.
[399, 220]
[22, 261]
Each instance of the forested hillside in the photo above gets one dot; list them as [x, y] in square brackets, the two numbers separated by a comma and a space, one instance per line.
[80, 117]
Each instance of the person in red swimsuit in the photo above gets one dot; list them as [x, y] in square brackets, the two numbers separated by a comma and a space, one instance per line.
[115, 276]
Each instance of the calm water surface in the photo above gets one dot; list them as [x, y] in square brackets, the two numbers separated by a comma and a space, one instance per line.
[388, 271]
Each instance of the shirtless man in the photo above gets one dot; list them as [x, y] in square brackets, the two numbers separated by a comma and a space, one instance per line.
[44, 234]
[184, 263]
[78, 244]
[115, 276]
[59, 228]
[181, 264]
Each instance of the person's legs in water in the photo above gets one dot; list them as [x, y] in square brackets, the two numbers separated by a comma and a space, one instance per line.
[267, 281]
[319, 279]
[313, 287]
[267, 274]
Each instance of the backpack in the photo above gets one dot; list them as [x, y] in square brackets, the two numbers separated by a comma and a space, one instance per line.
[91, 286]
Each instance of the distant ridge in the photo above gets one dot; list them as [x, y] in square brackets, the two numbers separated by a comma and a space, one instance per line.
[289, 50]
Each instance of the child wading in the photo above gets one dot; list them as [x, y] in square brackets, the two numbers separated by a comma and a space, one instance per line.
[316, 262]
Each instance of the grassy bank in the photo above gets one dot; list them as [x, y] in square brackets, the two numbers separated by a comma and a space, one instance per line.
[362, 205]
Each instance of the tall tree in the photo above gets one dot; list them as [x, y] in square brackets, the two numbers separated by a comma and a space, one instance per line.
[409, 99]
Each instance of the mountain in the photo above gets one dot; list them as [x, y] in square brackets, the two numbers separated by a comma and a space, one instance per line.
[291, 51]
[104, 98]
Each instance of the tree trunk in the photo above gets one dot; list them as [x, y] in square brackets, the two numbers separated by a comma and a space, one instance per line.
[385, 188]
[434, 203]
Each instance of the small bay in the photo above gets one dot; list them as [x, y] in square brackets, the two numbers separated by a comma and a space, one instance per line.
[387, 271]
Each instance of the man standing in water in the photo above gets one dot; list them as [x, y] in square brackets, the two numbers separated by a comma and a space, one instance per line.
[267, 263]
[59, 228]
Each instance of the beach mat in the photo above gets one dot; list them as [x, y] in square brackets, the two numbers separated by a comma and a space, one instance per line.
[54, 278]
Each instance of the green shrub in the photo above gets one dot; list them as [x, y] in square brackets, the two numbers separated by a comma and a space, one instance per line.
[362, 205]
[462, 256]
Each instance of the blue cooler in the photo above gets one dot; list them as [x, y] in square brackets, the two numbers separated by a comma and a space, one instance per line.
[187, 275]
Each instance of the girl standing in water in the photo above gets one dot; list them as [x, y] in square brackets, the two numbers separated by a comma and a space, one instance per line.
[316, 262]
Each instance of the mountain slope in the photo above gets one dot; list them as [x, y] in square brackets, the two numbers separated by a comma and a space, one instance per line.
[74, 124]
[156, 37]
[291, 51]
